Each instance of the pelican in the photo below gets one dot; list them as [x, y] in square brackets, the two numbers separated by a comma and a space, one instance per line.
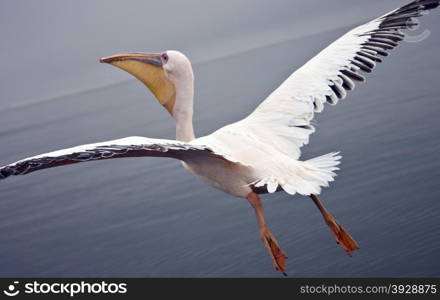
[261, 153]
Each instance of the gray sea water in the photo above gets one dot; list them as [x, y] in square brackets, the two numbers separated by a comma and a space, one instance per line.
[147, 216]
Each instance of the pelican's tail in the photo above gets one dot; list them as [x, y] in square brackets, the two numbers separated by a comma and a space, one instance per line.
[311, 175]
[325, 164]
[302, 177]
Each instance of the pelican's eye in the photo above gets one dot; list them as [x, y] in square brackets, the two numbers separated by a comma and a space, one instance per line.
[164, 57]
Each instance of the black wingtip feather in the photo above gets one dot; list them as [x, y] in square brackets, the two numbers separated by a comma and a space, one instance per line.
[337, 91]
[361, 66]
[4, 172]
[384, 41]
[378, 50]
[369, 55]
[353, 75]
[347, 83]
[432, 5]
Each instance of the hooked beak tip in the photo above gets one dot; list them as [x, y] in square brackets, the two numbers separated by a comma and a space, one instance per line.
[104, 59]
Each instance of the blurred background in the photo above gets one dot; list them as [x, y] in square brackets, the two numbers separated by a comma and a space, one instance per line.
[148, 217]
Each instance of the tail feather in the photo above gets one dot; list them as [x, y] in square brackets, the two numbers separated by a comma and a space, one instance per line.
[303, 177]
[313, 174]
[327, 162]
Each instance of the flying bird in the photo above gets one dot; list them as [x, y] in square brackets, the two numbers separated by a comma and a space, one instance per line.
[261, 153]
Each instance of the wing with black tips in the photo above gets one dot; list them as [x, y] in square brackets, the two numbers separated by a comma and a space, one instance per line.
[126, 147]
[284, 118]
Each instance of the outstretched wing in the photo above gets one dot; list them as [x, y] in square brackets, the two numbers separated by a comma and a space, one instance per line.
[284, 118]
[126, 147]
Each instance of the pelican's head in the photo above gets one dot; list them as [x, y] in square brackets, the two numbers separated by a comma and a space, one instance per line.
[162, 73]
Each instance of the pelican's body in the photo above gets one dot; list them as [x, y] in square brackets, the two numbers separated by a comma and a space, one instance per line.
[234, 178]
[229, 178]
[261, 153]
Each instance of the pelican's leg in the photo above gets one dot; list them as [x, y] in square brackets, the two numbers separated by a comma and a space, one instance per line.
[277, 255]
[342, 237]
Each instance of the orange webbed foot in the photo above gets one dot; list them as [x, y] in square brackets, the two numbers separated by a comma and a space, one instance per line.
[342, 237]
[277, 255]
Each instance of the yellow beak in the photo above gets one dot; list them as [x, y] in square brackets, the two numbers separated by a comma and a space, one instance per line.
[148, 68]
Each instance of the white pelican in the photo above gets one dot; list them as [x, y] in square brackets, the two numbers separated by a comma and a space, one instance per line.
[259, 154]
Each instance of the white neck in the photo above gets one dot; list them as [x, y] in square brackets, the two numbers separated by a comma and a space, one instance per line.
[183, 109]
